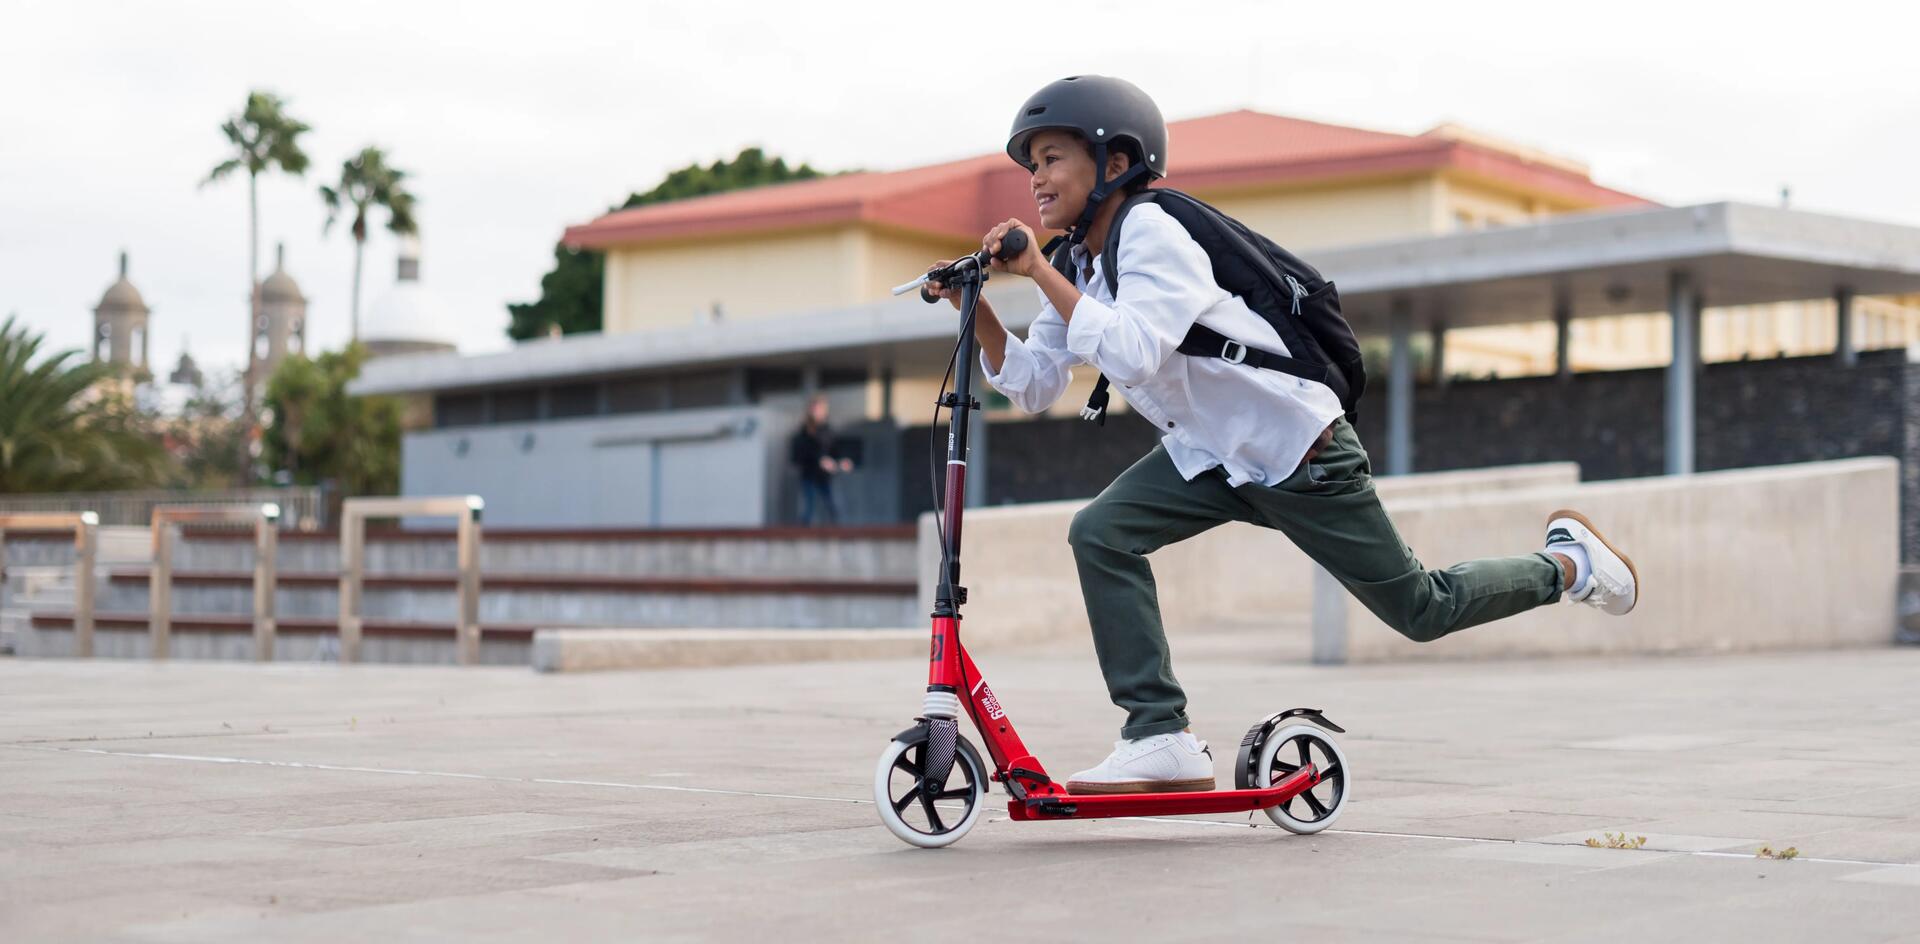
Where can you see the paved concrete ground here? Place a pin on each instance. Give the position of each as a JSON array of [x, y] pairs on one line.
[[223, 802]]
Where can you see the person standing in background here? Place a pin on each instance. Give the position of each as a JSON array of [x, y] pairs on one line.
[[812, 451]]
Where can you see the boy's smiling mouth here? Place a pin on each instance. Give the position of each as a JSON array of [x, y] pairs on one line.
[[1044, 200]]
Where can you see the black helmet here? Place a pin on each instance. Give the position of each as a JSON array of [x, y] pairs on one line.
[[1107, 112]]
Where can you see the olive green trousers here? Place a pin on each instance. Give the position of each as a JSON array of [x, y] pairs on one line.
[[1327, 507]]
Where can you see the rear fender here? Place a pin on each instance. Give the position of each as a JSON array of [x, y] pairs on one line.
[[1256, 738]]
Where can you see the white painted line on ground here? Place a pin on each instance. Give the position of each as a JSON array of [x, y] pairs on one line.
[[1161, 821]]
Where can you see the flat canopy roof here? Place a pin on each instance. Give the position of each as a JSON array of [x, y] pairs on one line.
[[1595, 264], [1622, 262]]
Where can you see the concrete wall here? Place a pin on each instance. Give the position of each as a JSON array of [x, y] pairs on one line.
[[688, 468], [1787, 557], [1022, 585], [1791, 556]]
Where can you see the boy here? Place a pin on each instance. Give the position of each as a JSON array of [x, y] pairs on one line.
[[1239, 443]]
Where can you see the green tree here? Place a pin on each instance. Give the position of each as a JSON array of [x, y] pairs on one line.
[[570, 294], [366, 181], [204, 436], [263, 137], [62, 427], [319, 433]]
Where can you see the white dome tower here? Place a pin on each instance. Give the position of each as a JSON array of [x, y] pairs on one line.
[[283, 317], [409, 318]]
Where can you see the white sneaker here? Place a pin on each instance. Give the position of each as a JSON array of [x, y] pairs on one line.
[[1611, 583], [1164, 763]]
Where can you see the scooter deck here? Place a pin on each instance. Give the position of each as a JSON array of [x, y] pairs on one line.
[[1100, 805]]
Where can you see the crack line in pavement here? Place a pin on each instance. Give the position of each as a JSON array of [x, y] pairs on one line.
[[1525, 842], [302, 765], [1157, 820]]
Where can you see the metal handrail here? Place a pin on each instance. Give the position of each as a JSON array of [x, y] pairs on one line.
[[85, 526], [166, 523], [465, 510]]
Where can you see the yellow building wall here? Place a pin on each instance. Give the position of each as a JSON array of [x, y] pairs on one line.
[[1467, 204], [1334, 215], [765, 275], [756, 276], [888, 258]]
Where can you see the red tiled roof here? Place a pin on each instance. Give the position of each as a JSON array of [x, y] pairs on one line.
[[962, 199]]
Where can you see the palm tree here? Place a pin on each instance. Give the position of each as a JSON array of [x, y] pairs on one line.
[[264, 137], [366, 180], [61, 429]]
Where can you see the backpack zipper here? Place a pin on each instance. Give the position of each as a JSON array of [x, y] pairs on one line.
[[1299, 292]]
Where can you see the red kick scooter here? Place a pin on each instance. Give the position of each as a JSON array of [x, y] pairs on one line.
[[931, 785]]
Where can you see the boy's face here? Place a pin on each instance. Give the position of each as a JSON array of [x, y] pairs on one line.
[[1062, 176]]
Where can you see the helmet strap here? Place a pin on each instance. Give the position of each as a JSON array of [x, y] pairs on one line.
[[1103, 189]]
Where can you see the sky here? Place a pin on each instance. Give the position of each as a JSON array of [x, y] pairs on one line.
[[518, 119]]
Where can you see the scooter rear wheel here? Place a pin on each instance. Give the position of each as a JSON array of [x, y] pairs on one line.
[[928, 818], [1286, 751]]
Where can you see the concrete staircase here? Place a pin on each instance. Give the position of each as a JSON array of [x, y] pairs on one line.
[[847, 578], [38, 568]]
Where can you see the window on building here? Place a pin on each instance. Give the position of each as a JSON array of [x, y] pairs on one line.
[[843, 377], [708, 388], [459, 409], [636, 396], [573, 400], [516, 406], [763, 382]]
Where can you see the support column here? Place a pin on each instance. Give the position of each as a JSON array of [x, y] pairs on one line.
[[1844, 352], [1682, 307], [1563, 339], [1699, 327], [1437, 340], [1400, 389], [886, 392]]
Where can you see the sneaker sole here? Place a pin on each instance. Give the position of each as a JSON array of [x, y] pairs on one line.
[[1624, 559], [1141, 786]]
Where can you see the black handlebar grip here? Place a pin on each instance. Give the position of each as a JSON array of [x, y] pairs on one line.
[[928, 297], [1012, 244]]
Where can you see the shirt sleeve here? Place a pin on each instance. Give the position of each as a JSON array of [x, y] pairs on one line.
[[1035, 372], [1166, 282]]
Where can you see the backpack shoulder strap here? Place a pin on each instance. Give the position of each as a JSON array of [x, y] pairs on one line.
[[1111, 251], [1059, 255]]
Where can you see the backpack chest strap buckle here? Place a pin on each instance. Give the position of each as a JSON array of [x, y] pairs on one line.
[[1233, 352]]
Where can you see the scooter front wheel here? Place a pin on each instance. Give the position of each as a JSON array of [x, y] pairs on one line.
[[1286, 751], [928, 815]]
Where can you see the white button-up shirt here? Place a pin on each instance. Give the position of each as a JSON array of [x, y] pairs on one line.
[[1256, 424]]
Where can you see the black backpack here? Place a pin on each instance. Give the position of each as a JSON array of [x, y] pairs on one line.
[[1302, 307]]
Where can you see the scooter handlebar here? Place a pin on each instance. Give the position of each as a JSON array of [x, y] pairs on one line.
[[1012, 244]]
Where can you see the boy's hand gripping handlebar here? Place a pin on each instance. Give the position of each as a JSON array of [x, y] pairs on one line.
[[1011, 245]]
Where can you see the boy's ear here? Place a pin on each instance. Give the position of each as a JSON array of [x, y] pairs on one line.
[[1118, 162]]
